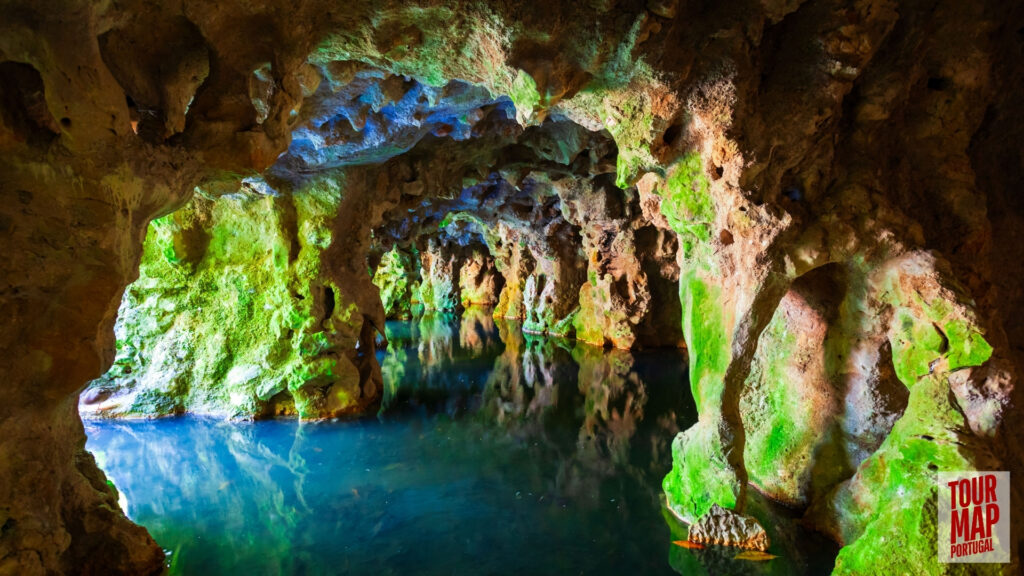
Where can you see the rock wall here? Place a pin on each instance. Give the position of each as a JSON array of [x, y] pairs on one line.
[[440, 266], [457, 276], [836, 178], [855, 205], [235, 314], [397, 276]]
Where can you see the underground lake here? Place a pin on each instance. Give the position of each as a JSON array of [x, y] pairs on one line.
[[494, 452]]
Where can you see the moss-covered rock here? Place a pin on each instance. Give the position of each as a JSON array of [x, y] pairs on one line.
[[396, 277], [701, 473], [887, 512], [233, 313]]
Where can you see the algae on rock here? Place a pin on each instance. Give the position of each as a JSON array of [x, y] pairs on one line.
[[233, 311]]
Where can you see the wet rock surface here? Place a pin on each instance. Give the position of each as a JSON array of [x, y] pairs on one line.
[[723, 527]]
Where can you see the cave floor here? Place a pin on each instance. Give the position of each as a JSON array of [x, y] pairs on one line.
[[494, 453]]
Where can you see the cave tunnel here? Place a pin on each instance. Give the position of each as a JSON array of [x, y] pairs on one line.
[[497, 288]]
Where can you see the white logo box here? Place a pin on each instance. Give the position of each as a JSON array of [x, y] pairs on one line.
[[974, 517]]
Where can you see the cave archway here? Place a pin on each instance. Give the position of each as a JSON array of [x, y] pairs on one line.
[[258, 302], [276, 294]]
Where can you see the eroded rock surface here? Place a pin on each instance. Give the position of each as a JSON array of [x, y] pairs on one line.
[[727, 528]]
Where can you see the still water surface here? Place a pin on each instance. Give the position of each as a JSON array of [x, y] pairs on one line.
[[494, 453]]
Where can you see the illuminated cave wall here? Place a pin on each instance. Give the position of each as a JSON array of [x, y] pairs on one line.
[[822, 193]]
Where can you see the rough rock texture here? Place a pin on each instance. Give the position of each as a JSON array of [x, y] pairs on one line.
[[727, 528], [479, 280], [456, 276], [821, 396], [439, 268], [233, 312], [870, 147], [397, 277]]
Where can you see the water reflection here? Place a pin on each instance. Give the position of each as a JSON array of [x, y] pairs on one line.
[[495, 453], [438, 362]]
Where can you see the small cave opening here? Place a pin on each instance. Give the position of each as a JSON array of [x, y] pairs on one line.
[[23, 106], [328, 303], [280, 405]]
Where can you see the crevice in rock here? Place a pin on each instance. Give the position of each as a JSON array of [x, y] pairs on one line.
[[23, 106], [329, 303], [161, 66]]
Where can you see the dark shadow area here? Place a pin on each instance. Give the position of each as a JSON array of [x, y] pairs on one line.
[[23, 104]]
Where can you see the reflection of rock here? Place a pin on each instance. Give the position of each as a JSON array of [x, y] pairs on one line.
[[527, 376], [614, 398], [477, 331], [727, 528], [436, 335], [617, 430], [231, 455], [439, 360]]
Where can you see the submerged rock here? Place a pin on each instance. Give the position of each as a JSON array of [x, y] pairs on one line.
[[727, 528]]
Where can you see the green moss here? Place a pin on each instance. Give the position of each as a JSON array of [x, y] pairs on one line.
[[597, 321], [782, 436], [394, 278], [432, 44], [524, 95], [707, 337], [686, 202], [933, 435], [618, 96], [888, 511], [701, 473], [926, 331], [916, 344], [631, 124], [623, 68], [967, 347], [564, 327], [439, 290], [790, 451], [244, 319], [625, 112]]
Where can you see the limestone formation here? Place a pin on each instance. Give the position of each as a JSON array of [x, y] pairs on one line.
[[727, 528], [397, 277]]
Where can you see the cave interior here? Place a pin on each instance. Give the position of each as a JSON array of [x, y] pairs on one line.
[[764, 257]]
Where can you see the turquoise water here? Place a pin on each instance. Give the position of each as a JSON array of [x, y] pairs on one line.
[[494, 453]]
